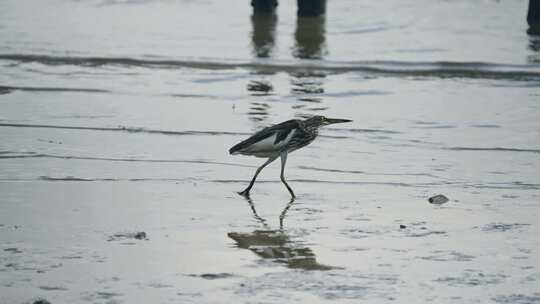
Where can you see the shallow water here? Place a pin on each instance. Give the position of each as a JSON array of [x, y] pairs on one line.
[[116, 118]]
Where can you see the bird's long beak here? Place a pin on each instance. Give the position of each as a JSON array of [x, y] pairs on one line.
[[330, 121]]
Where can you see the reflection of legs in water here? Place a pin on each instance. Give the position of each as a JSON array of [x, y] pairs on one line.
[[310, 38], [255, 214], [263, 34], [276, 245], [284, 213]]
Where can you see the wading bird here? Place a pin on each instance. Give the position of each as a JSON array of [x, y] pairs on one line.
[[280, 140]]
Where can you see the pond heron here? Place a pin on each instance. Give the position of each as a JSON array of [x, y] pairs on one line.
[[280, 140]]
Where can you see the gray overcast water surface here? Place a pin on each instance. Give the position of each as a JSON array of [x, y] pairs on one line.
[[116, 118]]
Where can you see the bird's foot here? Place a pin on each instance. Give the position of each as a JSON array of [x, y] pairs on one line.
[[244, 193]]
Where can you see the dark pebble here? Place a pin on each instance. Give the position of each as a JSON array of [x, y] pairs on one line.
[[140, 235], [13, 250], [402, 226], [438, 199], [214, 276]]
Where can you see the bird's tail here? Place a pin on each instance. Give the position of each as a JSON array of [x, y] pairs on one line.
[[234, 149]]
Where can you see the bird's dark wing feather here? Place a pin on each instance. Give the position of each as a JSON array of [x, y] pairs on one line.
[[286, 128], [282, 130]]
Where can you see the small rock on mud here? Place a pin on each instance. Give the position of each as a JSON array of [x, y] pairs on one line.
[[438, 199], [212, 276], [141, 235], [13, 250]]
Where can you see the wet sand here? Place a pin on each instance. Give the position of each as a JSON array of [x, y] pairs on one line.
[[76, 190]]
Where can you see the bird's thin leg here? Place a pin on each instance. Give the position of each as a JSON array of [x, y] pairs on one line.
[[245, 192], [283, 162]]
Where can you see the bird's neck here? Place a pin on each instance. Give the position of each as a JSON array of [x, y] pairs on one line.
[[308, 128]]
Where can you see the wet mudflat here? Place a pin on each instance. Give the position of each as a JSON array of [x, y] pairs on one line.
[[116, 185]]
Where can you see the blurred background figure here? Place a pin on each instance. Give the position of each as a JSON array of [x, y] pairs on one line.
[[533, 17], [311, 8], [264, 6]]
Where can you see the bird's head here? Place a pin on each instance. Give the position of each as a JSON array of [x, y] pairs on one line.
[[320, 121]]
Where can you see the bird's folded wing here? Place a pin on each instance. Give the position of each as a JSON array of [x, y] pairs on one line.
[[270, 138]]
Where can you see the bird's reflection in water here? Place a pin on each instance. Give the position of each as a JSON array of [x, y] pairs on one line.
[[276, 245], [263, 34], [310, 40]]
